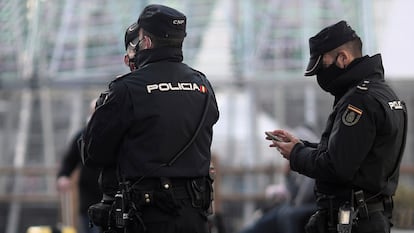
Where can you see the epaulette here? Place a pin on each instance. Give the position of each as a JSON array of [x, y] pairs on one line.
[[121, 76], [363, 86]]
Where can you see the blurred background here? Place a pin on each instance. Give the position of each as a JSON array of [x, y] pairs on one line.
[[57, 55]]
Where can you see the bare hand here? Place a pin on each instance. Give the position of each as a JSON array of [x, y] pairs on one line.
[[63, 184], [285, 147]]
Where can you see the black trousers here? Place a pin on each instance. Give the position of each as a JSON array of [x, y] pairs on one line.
[[188, 220]]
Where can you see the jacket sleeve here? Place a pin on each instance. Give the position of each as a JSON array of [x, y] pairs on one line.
[[310, 144], [350, 140], [107, 127], [71, 158]]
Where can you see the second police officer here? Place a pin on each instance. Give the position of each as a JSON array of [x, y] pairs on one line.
[[356, 163]]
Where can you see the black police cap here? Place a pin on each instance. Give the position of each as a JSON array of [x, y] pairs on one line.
[[163, 21], [326, 40], [130, 35]]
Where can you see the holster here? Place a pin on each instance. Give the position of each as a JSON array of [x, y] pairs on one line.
[[388, 206], [379, 204], [100, 213], [201, 193], [361, 204], [164, 193], [158, 193]]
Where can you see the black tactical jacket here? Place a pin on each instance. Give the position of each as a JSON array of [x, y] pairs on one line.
[[364, 134], [148, 115]]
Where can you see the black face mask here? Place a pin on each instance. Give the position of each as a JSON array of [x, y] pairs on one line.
[[139, 54], [326, 76]]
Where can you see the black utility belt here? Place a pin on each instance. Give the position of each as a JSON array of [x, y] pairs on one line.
[[372, 206], [148, 191], [338, 215], [159, 182], [148, 197], [362, 206]]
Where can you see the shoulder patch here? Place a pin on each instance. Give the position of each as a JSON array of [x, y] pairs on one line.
[[396, 105], [102, 99], [351, 115]]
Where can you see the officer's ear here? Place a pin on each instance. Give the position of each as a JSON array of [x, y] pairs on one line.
[[150, 44], [146, 42], [344, 58]]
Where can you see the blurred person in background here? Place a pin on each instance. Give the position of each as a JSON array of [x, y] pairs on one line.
[[151, 135], [88, 188], [292, 203], [356, 163]]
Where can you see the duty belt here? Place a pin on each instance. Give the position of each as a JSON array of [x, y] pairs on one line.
[[365, 211], [146, 187], [166, 191], [382, 203]]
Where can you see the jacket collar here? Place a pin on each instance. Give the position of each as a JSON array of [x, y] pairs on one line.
[[147, 56], [364, 68]]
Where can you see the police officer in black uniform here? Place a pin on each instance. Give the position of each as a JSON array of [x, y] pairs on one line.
[[131, 34], [151, 134], [356, 162]]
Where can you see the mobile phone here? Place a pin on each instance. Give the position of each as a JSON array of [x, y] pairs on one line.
[[273, 137]]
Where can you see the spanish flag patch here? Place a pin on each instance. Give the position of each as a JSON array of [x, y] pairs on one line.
[[351, 115]]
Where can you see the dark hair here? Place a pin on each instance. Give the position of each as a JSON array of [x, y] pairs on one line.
[[163, 42], [355, 47]]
